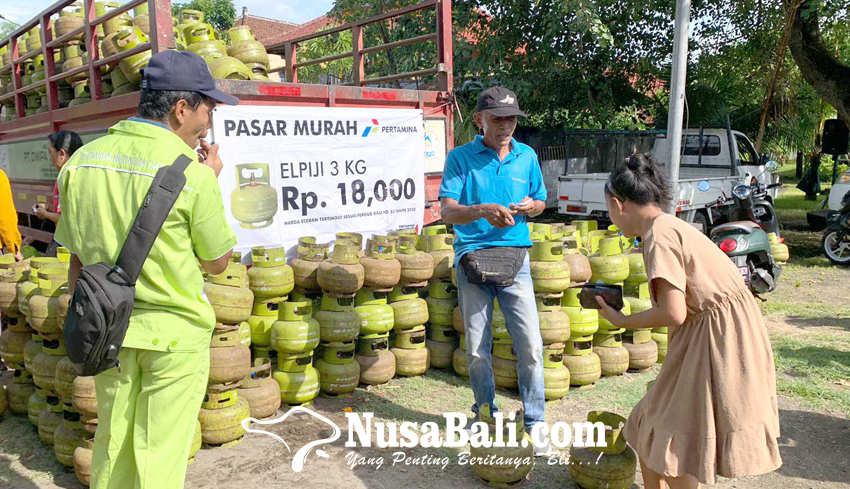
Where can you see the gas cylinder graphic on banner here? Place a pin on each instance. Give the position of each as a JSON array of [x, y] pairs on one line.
[[254, 202]]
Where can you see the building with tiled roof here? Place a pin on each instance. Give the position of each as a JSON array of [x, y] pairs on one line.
[[264, 28], [311, 27]]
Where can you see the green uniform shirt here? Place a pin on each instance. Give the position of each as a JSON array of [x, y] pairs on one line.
[[102, 188]]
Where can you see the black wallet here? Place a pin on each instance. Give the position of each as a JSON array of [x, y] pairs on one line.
[[493, 266]]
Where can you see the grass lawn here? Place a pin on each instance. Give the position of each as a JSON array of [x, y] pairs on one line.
[[809, 313]]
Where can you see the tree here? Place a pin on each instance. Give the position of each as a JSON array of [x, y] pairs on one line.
[[221, 14], [399, 60], [7, 28], [819, 64], [605, 64], [332, 72]]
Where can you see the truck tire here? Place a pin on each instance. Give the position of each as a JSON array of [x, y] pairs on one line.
[[701, 220]]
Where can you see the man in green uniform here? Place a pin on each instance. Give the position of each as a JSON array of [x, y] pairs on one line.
[[148, 406]]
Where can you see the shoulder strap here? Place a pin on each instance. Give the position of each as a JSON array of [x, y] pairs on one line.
[[165, 189]]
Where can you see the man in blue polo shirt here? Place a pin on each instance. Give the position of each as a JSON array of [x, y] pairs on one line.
[[489, 187]]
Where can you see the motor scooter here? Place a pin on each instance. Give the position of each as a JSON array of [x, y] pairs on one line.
[[836, 238], [744, 238]]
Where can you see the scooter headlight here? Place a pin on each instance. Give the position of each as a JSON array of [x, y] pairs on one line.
[[741, 191]]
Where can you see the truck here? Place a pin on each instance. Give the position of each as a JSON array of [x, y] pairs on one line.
[[721, 156], [23, 149]]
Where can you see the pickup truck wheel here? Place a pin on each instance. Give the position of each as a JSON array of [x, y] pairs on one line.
[[701, 220]]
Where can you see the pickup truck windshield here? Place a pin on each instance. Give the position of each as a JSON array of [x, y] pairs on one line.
[[746, 152], [710, 145]]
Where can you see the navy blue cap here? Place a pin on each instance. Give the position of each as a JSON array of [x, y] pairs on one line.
[[500, 102], [184, 71]]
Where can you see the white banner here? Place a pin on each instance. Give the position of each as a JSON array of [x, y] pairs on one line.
[[306, 171]]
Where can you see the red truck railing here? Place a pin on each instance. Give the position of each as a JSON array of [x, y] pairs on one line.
[[161, 33], [101, 113]]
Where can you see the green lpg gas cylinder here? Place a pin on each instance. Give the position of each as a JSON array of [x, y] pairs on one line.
[[295, 331], [549, 272], [409, 310], [270, 276], [583, 322], [376, 316], [263, 315], [338, 321]]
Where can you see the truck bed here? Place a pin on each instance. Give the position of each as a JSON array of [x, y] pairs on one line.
[[102, 111], [584, 194]]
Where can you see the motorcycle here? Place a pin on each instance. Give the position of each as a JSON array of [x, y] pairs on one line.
[[836, 238], [744, 238]]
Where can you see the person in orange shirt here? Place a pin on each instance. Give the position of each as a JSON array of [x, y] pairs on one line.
[[10, 237]]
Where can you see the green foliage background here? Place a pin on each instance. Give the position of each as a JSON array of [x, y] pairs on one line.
[[605, 64], [221, 14]]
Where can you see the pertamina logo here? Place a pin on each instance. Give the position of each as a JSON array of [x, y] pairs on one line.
[[376, 127], [368, 129]]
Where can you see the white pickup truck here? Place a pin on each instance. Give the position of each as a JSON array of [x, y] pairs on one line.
[[707, 155]]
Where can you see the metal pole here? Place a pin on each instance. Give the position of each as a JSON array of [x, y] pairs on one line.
[[677, 94], [834, 169]]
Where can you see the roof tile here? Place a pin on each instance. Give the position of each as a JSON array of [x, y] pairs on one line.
[[265, 29]]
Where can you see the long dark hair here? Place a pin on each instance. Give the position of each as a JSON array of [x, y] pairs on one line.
[[66, 140], [639, 181]]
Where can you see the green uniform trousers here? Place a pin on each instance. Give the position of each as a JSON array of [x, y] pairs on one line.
[[146, 418]]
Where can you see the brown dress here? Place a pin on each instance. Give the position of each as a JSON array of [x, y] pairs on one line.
[[712, 410]]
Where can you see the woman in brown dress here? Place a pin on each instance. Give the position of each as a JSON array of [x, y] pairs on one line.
[[712, 410]]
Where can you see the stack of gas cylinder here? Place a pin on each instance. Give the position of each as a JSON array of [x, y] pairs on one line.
[[295, 336], [377, 361], [441, 296], [442, 340], [460, 363], [7, 107], [373, 322], [354, 328], [287, 335], [339, 323], [118, 34], [392, 310], [222, 409], [244, 58], [643, 351], [407, 338], [613, 466], [778, 248], [246, 49], [45, 387], [609, 266], [579, 358], [551, 277]]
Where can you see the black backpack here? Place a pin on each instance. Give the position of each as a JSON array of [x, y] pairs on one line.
[[100, 309]]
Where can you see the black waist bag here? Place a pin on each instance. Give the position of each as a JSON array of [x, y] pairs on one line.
[[493, 266], [100, 309]]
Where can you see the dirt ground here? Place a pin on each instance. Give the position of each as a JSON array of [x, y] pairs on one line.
[[814, 444], [808, 318]]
